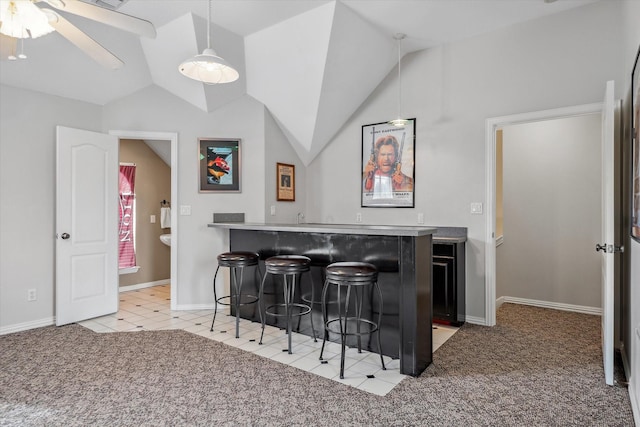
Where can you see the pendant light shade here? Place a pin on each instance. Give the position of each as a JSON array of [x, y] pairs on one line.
[[208, 67], [399, 122]]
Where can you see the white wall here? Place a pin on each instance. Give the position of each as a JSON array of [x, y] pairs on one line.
[[553, 62], [552, 212], [27, 186]]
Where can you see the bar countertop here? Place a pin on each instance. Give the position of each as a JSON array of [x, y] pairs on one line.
[[372, 230]]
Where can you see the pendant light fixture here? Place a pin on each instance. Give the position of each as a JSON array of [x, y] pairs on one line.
[[399, 122], [208, 67]]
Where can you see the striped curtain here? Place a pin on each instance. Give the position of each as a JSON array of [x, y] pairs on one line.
[[126, 249]]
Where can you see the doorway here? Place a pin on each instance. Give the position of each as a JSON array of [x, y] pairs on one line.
[[172, 139], [552, 209], [492, 126]]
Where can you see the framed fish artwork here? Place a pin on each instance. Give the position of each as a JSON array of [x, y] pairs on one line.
[[219, 165]]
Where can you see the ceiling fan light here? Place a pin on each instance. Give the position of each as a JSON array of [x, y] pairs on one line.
[[209, 68], [23, 19]]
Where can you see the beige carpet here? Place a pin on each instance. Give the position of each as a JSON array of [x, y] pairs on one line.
[[537, 367]]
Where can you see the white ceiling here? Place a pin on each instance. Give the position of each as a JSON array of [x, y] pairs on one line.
[[304, 46]]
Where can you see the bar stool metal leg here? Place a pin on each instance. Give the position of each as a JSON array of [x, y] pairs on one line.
[[237, 288], [215, 299], [263, 309]]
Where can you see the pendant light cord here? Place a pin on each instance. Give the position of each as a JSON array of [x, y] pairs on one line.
[[400, 37], [209, 27]]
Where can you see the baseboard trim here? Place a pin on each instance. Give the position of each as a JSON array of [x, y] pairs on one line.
[[19, 327], [554, 305], [475, 320], [625, 362], [635, 401], [144, 285]]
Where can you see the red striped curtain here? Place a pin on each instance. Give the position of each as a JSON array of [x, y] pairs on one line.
[[126, 249]]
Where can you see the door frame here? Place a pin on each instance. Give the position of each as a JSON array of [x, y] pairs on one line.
[[492, 125], [172, 137]]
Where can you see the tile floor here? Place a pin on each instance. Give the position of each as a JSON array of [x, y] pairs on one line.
[[148, 309]]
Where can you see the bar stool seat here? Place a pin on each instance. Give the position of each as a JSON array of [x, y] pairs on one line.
[[290, 267], [236, 261], [353, 276]]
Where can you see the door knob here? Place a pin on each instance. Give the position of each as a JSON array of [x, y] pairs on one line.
[[65, 236], [609, 248]]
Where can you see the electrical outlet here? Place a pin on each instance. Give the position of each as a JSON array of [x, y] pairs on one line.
[[273, 210], [358, 217], [32, 295], [420, 218]]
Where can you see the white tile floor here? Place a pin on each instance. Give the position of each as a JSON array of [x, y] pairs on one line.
[[148, 309]]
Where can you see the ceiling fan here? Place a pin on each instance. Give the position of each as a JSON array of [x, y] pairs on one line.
[[20, 19]]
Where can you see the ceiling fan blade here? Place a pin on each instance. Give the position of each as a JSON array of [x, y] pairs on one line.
[[8, 46], [106, 16], [88, 45]]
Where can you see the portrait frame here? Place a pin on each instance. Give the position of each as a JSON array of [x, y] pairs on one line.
[[285, 182], [219, 160], [635, 149], [380, 186]]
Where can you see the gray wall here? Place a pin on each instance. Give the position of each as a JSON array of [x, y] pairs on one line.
[[27, 190], [552, 212]]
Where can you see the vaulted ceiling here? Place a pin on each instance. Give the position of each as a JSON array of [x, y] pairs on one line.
[[312, 63]]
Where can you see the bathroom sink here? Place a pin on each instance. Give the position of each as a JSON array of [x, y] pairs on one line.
[[166, 239]]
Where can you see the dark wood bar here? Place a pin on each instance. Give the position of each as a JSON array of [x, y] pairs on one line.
[[402, 256]]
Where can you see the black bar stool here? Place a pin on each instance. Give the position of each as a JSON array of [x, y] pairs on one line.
[[290, 267], [236, 261], [356, 275]]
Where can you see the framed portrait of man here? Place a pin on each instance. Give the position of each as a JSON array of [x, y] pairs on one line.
[[388, 172], [286, 185]]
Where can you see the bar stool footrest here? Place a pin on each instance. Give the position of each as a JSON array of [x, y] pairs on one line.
[[352, 326], [303, 309], [244, 300]]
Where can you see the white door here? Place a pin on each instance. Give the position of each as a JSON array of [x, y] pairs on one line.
[[86, 225], [608, 244]]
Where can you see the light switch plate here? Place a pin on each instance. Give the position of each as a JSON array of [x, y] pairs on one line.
[[185, 210], [476, 208], [420, 218], [152, 219]]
